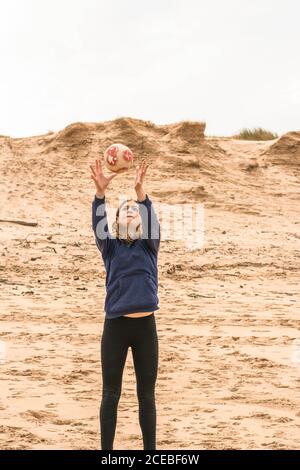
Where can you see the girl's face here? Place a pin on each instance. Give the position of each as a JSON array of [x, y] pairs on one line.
[[129, 213]]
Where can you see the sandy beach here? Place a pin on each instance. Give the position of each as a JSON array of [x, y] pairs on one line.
[[228, 322]]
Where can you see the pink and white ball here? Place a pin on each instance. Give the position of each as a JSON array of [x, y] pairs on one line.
[[117, 157]]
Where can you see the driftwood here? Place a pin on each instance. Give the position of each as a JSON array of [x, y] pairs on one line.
[[20, 222]]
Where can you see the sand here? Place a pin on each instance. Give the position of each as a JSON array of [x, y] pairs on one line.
[[228, 322]]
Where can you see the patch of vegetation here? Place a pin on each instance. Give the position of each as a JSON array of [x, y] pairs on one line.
[[257, 133]]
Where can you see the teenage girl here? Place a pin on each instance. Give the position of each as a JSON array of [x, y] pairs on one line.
[[130, 260]]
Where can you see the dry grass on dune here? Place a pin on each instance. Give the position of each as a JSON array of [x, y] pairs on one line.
[[257, 133]]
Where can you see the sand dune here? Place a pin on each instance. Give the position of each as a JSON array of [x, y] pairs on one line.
[[285, 151], [229, 311]]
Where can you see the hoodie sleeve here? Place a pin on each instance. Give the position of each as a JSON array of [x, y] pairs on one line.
[[150, 224], [103, 238]]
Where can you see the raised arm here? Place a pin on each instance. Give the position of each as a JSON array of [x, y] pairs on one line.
[[150, 222], [100, 225], [99, 216]]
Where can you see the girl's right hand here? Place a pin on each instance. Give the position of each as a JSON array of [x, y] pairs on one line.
[[101, 181]]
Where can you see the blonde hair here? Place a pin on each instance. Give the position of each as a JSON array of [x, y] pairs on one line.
[[116, 227]]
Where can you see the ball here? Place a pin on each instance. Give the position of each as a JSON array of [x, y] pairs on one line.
[[117, 157]]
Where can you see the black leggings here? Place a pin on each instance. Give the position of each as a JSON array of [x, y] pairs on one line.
[[140, 334]]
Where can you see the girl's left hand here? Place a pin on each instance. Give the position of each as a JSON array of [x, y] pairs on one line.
[[140, 175]]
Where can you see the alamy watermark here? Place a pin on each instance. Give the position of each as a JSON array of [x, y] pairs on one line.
[[175, 221], [2, 352], [295, 357]]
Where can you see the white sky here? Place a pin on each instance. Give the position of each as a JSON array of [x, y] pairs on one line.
[[232, 63]]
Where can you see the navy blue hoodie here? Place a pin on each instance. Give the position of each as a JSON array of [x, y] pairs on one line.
[[131, 269]]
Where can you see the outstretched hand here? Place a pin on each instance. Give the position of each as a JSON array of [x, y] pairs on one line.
[[140, 174], [141, 171], [101, 181]]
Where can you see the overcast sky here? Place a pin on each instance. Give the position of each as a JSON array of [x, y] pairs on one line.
[[232, 63]]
